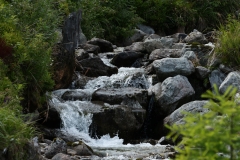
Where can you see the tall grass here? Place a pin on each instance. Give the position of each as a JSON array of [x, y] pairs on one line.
[[229, 43]]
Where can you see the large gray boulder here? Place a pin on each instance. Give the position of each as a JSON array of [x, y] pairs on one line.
[[177, 117], [232, 79], [152, 44], [165, 53], [216, 78], [175, 92], [136, 47], [168, 67], [196, 36], [132, 97]]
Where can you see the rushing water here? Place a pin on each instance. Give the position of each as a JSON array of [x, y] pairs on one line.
[[77, 115]]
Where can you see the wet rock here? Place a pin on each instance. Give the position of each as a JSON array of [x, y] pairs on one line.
[[136, 47], [61, 156], [202, 72], [80, 82], [216, 77], [195, 36], [82, 149], [175, 92], [177, 117], [77, 94], [132, 97], [105, 46], [232, 79], [156, 90], [57, 146], [119, 120], [168, 67], [50, 117], [165, 53], [126, 59], [90, 48], [94, 67]]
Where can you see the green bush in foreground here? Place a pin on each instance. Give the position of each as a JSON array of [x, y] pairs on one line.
[[214, 135], [229, 40]]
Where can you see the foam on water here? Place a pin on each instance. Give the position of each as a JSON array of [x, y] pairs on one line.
[[117, 80]]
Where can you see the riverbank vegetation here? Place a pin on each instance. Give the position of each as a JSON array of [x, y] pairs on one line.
[[28, 32]]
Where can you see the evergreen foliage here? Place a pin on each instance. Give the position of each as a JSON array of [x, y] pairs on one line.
[[213, 135]]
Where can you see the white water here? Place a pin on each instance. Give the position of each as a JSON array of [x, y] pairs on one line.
[[76, 118]]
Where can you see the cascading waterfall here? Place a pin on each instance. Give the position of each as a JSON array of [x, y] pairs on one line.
[[76, 116]]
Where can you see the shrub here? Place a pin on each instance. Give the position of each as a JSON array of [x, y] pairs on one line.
[[108, 19], [229, 40], [14, 134], [214, 135]]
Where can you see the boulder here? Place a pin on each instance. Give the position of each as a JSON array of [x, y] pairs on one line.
[[132, 97], [64, 56], [168, 67], [105, 46], [165, 53], [179, 46], [136, 47], [90, 48], [94, 67], [81, 54], [202, 72], [152, 44], [126, 59], [216, 77], [151, 36], [232, 79], [136, 37], [61, 156], [57, 146], [191, 56], [81, 149], [178, 37], [177, 117], [175, 92], [146, 29], [196, 36], [77, 94], [120, 120]]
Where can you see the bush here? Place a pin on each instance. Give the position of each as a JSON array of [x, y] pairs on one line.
[[229, 40], [213, 135], [14, 134], [167, 15], [29, 27], [108, 19]]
